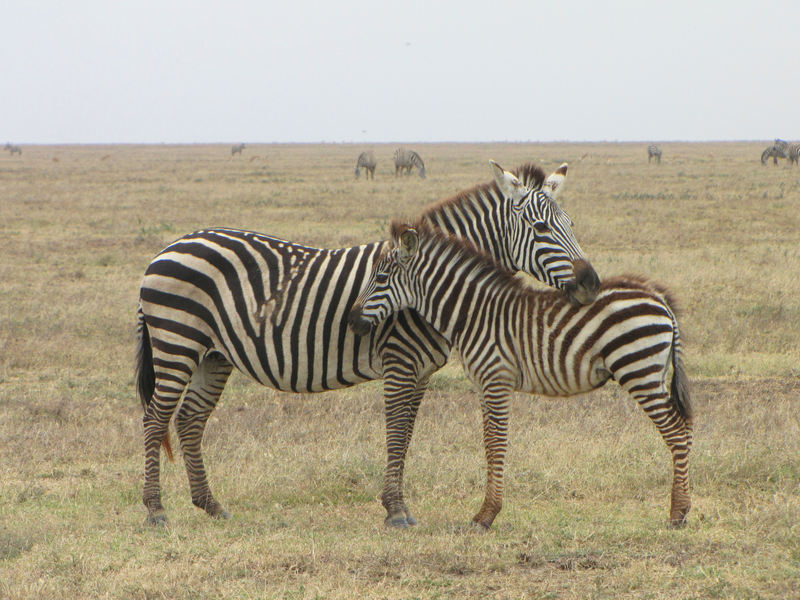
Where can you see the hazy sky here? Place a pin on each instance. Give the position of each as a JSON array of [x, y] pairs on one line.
[[371, 71]]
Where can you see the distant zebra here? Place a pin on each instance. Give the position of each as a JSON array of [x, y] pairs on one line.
[[368, 162], [774, 151], [653, 151], [513, 337], [237, 149], [793, 154], [277, 311], [405, 160], [13, 148]]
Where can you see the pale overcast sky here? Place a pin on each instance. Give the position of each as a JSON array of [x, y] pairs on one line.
[[370, 71]]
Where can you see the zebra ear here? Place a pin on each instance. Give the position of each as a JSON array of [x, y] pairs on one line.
[[555, 182], [409, 242], [510, 186]]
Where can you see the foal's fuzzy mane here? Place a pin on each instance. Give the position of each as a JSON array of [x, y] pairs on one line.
[[530, 174]]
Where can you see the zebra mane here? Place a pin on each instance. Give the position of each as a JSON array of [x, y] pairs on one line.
[[485, 266], [532, 176]]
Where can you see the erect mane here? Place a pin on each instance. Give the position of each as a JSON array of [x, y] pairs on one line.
[[484, 265], [530, 174]]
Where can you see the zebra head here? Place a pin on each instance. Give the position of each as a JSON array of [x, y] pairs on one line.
[[540, 239], [389, 289]]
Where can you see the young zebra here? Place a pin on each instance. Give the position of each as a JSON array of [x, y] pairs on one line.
[[13, 148], [237, 149], [653, 151], [277, 311], [512, 337], [366, 160], [405, 160]]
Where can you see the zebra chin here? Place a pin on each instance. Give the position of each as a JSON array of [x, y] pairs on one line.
[[584, 286], [358, 323]]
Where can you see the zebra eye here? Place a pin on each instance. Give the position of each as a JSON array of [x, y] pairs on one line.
[[541, 227], [381, 277]]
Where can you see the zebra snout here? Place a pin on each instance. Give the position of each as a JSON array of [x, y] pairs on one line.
[[358, 324], [586, 283]]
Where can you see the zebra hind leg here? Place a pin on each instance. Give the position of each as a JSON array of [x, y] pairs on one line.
[[676, 431], [199, 402]]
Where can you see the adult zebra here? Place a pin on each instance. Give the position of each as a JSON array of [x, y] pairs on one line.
[[511, 337], [237, 149], [653, 151], [277, 311], [366, 160], [13, 148], [405, 160], [774, 151]]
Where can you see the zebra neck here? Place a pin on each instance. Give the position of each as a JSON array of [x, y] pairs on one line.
[[476, 216]]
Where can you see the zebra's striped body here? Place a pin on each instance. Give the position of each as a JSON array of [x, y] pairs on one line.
[[775, 151], [793, 154], [237, 149], [13, 148], [277, 311], [366, 160], [653, 151], [405, 160], [514, 338]]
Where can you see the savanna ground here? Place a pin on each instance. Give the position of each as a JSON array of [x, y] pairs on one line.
[[587, 480]]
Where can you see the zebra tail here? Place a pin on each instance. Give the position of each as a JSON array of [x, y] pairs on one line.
[[679, 388], [145, 374]]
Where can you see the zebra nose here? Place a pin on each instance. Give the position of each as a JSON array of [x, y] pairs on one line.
[[583, 289], [358, 324]]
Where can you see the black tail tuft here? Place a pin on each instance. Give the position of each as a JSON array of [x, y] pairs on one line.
[[679, 389], [145, 374]]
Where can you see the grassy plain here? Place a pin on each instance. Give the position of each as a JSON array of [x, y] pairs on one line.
[[587, 478]]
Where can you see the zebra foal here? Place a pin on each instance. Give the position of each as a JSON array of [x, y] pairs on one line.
[[511, 337], [277, 311]]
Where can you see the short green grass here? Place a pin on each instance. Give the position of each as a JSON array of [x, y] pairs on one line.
[[587, 480]]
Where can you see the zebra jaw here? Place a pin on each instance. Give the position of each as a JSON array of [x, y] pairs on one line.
[[585, 285]]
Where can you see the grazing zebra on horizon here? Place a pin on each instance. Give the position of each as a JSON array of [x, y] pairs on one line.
[[13, 148], [405, 160], [654, 151], [793, 154], [512, 337], [237, 149], [277, 311], [775, 151], [368, 162]]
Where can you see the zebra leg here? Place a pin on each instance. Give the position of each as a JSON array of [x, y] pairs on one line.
[[494, 402], [403, 391], [198, 403], [156, 423], [677, 433]]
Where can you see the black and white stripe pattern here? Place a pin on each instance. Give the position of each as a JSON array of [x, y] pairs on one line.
[[653, 151], [277, 311], [405, 160], [514, 338], [237, 149], [778, 149], [366, 161]]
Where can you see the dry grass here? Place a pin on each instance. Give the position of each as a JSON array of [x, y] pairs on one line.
[[588, 477]]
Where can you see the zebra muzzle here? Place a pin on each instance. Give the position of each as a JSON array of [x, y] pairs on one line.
[[584, 287], [358, 323]]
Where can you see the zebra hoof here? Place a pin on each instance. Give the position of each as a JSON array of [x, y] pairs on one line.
[[224, 515], [157, 520], [397, 522], [410, 520]]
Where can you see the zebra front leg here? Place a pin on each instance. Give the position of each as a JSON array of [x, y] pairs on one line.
[[156, 423], [199, 402], [402, 396], [494, 403]]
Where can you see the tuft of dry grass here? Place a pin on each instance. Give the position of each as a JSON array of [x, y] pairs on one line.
[[587, 478]]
